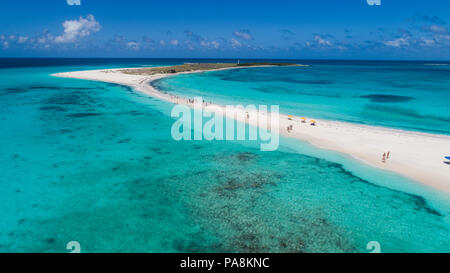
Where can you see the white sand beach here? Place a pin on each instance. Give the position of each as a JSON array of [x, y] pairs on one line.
[[418, 156]]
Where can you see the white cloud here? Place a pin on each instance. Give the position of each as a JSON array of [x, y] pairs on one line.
[[162, 42], [74, 29], [22, 39], [399, 42], [427, 42], [445, 37], [436, 29], [235, 43], [5, 45], [212, 44], [133, 45], [243, 34], [215, 44], [443, 40], [74, 2], [42, 40], [189, 44], [321, 41], [174, 42]]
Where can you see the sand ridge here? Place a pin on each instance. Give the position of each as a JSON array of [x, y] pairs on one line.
[[418, 156]]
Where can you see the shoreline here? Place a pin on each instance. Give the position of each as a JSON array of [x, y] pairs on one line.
[[415, 155]]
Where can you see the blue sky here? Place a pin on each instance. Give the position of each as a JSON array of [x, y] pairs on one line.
[[318, 29]]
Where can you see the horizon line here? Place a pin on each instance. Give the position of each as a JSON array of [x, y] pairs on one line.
[[237, 58]]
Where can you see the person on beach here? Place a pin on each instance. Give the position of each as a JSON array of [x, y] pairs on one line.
[[383, 159], [388, 154]]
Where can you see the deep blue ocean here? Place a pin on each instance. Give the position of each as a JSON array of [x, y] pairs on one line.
[[95, 163]]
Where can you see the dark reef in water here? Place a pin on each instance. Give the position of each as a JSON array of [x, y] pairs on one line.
[[238, 202], [82, 115], [55, 87], [386, 98], [254, 181], [372, 110], [245, 156], [406, 112], [125, 140], [322, 82], [9, 91], [52, 108], [419, 202]]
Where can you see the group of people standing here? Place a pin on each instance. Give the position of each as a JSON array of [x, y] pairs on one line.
[[290, 128], [188, 101], [385, 157]]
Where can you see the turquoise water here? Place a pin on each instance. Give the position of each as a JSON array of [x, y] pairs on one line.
[[95, 163], [412, 96]]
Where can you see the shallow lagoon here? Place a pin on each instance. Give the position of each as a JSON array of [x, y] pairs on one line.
[[405, 95]]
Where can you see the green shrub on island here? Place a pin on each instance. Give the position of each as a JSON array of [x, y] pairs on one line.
[[192, 67]]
